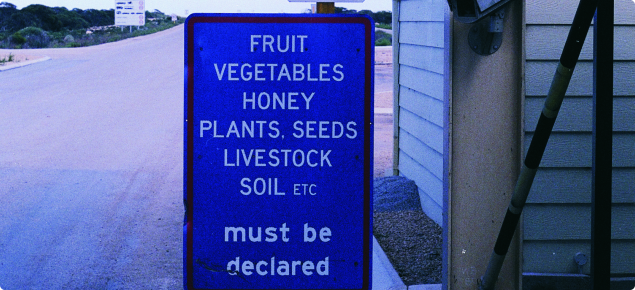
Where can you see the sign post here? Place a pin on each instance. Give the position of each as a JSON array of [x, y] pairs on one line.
[[327, 6], [278, 151]]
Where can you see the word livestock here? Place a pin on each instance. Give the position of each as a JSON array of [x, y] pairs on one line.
[[277, 157]]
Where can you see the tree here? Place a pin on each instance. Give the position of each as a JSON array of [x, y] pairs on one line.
[[6, 11], [22, 19], [7, 5], [367, 12], [342, 10], [157, 14], [46, 15], [71, 20], [99, 17], [52, 19], [384, 17], [379, 17]]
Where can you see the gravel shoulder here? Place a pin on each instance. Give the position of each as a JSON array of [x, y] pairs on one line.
[[411, 240]]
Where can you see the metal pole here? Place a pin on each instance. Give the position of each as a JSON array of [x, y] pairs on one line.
[[325, 7], [559, 85], [602, 146]]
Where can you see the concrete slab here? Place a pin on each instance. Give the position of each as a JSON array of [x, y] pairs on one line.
[[384, 275], [425, 287], [384, 111]]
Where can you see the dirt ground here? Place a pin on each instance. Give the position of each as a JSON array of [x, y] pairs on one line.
[[412, 242], [407, 237], [16, 58], [91, 174]]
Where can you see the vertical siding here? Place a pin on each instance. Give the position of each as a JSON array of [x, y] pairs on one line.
[[557, 221], [421, 80]]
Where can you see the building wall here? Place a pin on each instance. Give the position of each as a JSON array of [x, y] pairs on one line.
[[558, 214], [421, 94], [486, 148]]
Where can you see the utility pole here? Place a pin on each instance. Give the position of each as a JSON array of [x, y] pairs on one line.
[[325, 7], [602, 135]]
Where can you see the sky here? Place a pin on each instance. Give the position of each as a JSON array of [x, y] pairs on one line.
[[209, 6]]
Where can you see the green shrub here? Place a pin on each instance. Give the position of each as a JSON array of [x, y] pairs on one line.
[[382, 38], [69, 38], [27, 31], [17, 38], [6, 59], [35, 37], [383, 42]]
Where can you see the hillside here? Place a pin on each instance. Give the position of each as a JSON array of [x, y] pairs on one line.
[[40, 26]]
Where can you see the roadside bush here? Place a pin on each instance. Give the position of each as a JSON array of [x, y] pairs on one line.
[[383, 42], [382, 38], [6, 59], [35, 37], [29, 32], [17, 39]]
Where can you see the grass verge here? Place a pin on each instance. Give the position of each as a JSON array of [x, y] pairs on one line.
[[382, 38], [85, 37], [6, 59]]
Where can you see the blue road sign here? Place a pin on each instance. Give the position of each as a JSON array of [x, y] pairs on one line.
[[278, 151]]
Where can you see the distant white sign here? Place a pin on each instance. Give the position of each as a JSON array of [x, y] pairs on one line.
[[130, 12]]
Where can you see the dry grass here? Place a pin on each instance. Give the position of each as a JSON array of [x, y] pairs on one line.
[[16, 58]]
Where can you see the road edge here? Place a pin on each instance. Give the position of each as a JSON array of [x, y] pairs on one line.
[[23, 63], [384, 276]]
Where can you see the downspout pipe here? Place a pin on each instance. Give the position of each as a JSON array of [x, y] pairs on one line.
[[396, 85], [568, 59]]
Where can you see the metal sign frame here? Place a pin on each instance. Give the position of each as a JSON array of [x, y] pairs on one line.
[[130, 13], [469, 11], [358, 273]]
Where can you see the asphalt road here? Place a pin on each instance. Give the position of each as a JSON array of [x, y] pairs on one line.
[[383, 143], [91, 166]]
